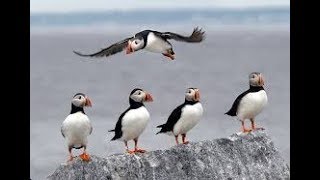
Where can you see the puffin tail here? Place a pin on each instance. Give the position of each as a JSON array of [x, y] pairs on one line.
[[160, 126], [111, 130], [231, 113]]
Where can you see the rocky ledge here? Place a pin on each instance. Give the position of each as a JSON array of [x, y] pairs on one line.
[[241, 156]]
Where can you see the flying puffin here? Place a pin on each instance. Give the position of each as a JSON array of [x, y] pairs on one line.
[[149, 40], [184, 117], [251, 102], [134, 120], [77, 127]]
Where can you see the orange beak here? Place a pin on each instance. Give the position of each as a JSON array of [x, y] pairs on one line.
[[129, 49], [261, 80], [88, 102], [148, 97], [197, 95]]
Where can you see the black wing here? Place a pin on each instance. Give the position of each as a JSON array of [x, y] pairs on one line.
[[117, 130], [196, 36], [172, 120], [62, 131], [113, 49], [91, 128], [234, 108]]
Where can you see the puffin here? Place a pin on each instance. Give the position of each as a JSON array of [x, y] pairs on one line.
[[77, 126], [184, 117], [251, 102], [150, 40], [133, 120]]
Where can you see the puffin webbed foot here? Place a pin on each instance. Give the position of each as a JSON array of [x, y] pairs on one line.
[[259, 128], [130, 152], [186, 142], [137, 150], [169, 55], [70, 159], [246, 130], [85, 157]]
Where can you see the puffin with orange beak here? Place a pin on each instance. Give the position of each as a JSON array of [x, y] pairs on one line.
[[184, 117], [251, 102], [77, 126], [134, 120], [149, 40]]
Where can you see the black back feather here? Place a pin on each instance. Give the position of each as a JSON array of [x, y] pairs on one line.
[[234, 108], [174, 117], [133, 105]]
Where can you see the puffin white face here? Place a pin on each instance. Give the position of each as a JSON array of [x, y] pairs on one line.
[[80, 100], [256, 79], [134, 45], [193, 94], [138, 95]]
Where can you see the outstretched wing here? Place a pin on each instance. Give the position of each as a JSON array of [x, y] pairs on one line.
[[111, 50], [196, 36]]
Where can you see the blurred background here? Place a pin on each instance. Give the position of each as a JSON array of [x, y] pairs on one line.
[[242, 36]]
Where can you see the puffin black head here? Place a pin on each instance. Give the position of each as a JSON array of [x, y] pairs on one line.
[[135, 44], [256, 79], [192, 95], [139, 96], [79, 101]]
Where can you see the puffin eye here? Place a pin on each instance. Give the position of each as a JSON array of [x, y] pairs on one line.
[[135, 42], [139, 93], [79, 97]]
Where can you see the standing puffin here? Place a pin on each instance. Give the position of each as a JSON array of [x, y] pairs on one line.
[[149, 40], [251, 102], [134, 120], [184, 117], [77, 127]]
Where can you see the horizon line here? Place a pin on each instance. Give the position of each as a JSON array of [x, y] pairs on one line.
[[99, 10]]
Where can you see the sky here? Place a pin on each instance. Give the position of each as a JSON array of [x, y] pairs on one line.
[[37, 6]]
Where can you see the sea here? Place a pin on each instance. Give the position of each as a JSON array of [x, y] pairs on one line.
[[238, 42]]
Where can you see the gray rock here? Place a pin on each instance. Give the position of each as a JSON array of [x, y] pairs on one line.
[[241, 156]]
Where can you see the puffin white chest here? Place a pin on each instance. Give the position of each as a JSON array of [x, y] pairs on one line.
[[134, 122], [156, 44], [190, 116], [252, 104], [76, 127]]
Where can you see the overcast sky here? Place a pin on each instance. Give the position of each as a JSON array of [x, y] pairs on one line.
[[78, 5]]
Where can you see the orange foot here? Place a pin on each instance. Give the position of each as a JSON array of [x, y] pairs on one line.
[[186, 142], [70, 159], [85, 157], [246, 130], [169, 56], [130, 152], [140, 150], [259, 128]]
